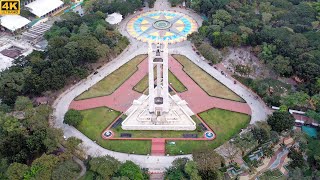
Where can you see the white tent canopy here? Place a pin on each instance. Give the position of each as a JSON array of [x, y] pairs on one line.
[[43, 7], [114, 18], [13, 22]]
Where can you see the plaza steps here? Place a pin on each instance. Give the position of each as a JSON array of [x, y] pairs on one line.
[[157, 176], [158, 147]]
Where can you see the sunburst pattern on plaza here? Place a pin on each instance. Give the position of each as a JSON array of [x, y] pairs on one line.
[[161, 25]]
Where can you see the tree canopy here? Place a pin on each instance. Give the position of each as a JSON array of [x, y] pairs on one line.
[[73, 117], [281, 121]]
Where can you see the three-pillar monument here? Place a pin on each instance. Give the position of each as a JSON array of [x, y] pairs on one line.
[[158, 110]]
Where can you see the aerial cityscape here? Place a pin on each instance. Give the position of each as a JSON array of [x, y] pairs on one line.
[[160, 89]]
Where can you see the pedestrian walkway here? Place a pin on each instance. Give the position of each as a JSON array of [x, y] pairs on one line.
[[197, 99], [121, 99], [156, 176], [158, 147]]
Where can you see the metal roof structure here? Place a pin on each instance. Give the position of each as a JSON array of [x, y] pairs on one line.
[[43, 7], [13, 22]]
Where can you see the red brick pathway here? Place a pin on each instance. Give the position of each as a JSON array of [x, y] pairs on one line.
[[158, 147], [199, 100], [121, 99]]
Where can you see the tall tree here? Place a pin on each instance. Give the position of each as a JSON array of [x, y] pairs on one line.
[[208, 162], [104, 167], [131, 170], [73, 117], [16, 171], [281, 121]]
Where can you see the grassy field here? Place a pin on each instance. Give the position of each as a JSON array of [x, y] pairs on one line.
[[209, 84], [224, 123], [114, 80], [175, 83], [96, 120], [159, 134], [274, 175]]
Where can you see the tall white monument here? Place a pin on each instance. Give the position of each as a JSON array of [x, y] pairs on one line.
[[159, 110], [159, 94]]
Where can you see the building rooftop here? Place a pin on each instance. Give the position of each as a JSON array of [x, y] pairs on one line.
[[14, 22], [43, 7]]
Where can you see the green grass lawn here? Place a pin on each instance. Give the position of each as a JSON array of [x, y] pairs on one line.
[[159, 134], [143, 84], [114, 80], [96, 120], [274, 175], [176, 83], [209, 84], [224, 123]]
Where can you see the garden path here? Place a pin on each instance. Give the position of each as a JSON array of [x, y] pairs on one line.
[[121, 99]]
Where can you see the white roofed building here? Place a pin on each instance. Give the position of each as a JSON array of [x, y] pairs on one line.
[[13, 22], [114, 18], [43, 8]]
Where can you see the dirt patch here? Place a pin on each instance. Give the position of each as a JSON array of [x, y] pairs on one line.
[[244, 57]]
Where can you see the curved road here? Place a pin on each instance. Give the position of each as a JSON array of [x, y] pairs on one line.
[[154, 163]]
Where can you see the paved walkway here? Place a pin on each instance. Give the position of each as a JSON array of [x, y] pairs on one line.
[[197, 99], [81, 164], [158, 147]]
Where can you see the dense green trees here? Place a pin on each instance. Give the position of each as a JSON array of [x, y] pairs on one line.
[[281, 121], [183, 168], [131, 170], [30, 149], [209, 53], [122, 7], [208, 162], [16, 171], [104, 167], [66, 170], [269, 89], [73, 117], [286, 33], [74, 43], [107, 167]]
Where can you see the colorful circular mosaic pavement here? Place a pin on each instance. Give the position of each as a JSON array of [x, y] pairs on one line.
[[161, 25]]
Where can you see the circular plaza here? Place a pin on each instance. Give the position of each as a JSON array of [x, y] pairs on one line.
[[168, 26]]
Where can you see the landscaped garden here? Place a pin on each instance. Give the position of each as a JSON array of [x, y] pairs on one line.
[[173, 80], [114, 80], [159, 134], [96, 120], [224, 123], [209, 84]]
